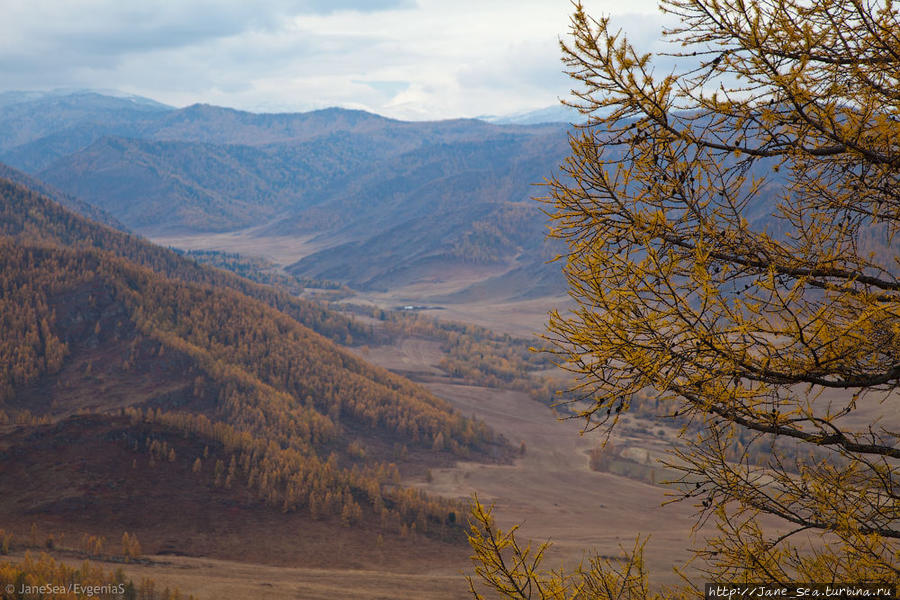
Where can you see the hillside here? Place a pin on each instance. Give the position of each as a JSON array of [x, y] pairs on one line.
[[203, 186], [210, 178], [460, 204], [30, 217], [175, 371], [74, 204]]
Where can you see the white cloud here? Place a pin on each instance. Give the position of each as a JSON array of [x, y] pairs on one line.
[[430, 59]]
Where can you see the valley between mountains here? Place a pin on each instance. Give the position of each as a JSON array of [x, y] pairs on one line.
[[277, 355]]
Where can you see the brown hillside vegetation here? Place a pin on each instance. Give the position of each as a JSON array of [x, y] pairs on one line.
[[204, 378], [28, 216], [179, 496], [44, 577]]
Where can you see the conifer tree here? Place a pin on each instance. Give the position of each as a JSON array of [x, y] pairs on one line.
[[730, 224]]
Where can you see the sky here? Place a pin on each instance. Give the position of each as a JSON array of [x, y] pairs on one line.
[[407, 59]]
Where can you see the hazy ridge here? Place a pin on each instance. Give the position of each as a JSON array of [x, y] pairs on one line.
[[389, 201]]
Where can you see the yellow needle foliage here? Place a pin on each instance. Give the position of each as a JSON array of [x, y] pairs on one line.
[[730, 210], [36, 578]]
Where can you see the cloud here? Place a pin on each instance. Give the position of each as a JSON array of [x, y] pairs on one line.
[[388, 88], [364, 6], [116, 27], [424, 59]]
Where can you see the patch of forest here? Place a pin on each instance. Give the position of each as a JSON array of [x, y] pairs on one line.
[[30, 217], [42, 576], [303, 425]]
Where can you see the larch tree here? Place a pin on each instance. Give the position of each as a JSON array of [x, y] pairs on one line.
[[731, 230]]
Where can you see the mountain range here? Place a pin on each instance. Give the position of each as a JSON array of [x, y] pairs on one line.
[[386, 202]]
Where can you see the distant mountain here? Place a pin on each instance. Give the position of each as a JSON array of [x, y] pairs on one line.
[[19, 97], [34, 131], [557, 113], [430, 211], [177, 184], [390, 201], [218, 125], [137, 360]]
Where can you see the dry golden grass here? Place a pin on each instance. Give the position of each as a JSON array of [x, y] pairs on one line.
[[208, 579]]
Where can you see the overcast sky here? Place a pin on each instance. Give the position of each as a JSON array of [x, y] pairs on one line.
[[409, 59]]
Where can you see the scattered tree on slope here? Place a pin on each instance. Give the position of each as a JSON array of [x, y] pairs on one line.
[[273, 392]]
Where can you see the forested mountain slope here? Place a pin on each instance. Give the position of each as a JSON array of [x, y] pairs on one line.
[[29, 216], [71, 202], [158, 349]]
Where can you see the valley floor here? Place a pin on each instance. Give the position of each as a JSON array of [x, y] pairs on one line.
[[550, 492], [210, 579]]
